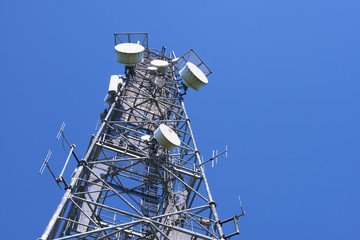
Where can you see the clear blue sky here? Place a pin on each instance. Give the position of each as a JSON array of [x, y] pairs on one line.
[[284, 96]]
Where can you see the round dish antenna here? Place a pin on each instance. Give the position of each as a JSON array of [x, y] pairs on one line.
[[161, 65], [193, 77], [152, 70], [129, 53], [166, 137]]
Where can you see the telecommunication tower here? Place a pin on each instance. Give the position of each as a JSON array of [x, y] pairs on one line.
[[142, 176]]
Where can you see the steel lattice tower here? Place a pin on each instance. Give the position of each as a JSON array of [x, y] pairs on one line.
[[128, 186]]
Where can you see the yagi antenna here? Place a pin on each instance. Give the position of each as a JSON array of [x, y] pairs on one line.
[[72, 152], [61, 133], [71, 146], [46, 164], [214, 157], [235, 220], [61, 130]]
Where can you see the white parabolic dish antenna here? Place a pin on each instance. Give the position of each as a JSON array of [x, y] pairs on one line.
[[161, 65], [152, 70], [166, 137], [129, 53], [193, 77]]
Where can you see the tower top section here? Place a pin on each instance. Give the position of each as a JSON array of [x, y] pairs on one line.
[[131, 47]]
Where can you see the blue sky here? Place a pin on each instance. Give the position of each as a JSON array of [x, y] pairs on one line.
[[284, 96]]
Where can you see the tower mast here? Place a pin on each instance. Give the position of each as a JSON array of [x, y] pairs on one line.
[[142, 176]]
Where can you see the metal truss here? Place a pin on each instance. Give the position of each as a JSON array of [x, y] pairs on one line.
[[129, 187]]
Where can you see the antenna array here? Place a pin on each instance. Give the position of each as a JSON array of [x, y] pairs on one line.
[[142, 176]]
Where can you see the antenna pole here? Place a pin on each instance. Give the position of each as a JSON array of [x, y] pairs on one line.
[[211, 202], [60, 178]]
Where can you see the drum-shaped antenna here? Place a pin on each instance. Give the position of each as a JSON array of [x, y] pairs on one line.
[[193, 77], [166, 137], [161, 65], [129, 53]]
